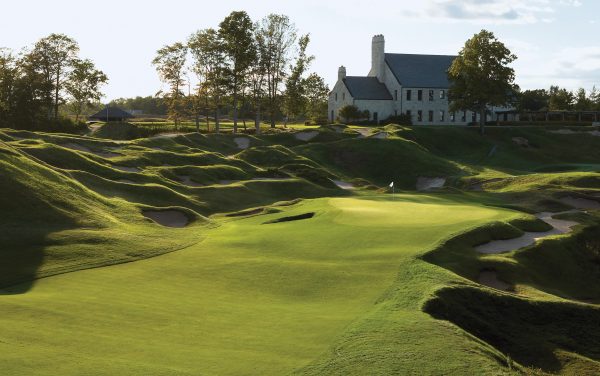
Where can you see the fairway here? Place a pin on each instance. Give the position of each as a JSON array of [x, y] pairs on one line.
[[256, 298]]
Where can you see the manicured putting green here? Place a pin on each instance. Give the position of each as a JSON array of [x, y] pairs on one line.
[[254, 298]]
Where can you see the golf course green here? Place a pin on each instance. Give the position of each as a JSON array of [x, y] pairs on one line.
[[193, 255]]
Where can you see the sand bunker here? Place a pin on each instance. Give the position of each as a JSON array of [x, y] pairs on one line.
[[342, 184], [126, 169], [425, 184], [563, 131], [242, 142], [521, 141], [291, 218], [559, 226], [490, 278], [363, 132], [85, 149], [381, 135], [187, 180], [580, 203], [168, 218], [166, 135], [306, 136]]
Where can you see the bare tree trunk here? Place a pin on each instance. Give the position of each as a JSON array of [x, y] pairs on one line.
[[197, 119], [482, 117], [235, 109], [217, 125], [56, 95], [257, 120]]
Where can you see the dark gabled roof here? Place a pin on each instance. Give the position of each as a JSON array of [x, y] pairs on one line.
[[111, 113], [427, 71], [366, 88]]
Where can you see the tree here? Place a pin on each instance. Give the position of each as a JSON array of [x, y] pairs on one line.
[[582, 102], [237, 41], [84, 85], [316, 93], [480, 76], [595, 98], [560, 99], [209, 64], [170, 65], [8, 79], [533, 100], [350, 112], [294, 96], [53, 57], [277, 36]]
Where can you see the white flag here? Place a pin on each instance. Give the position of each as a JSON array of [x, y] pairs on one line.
[[392, 185]]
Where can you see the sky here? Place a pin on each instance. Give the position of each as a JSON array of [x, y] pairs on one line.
[[556, 41]]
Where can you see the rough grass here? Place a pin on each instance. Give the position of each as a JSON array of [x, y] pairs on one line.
[[371, 284]]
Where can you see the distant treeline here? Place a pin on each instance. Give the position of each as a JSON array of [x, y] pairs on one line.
[[559, 99], [250, 69], [36, 82]]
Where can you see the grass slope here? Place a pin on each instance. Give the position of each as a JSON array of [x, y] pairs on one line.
[[261, 299]]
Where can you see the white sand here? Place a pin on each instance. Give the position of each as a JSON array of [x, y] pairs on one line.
[[126, 169], [168, 218], [425, 184], [560, 226], [580, 203], [242, 142], [306, 136], [364, 132], [342, 184], [381, 135]]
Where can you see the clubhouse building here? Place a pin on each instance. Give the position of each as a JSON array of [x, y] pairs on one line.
[[416, 85]]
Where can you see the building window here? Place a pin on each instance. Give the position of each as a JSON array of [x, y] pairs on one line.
[[409, 114], [474, 117], [395, 112], [452, 117], [430, 116], [431, 95], [375, 117], [463, 118], [420, 95], [419, 115], [442, 115], [332, 116], [408, 95], [343, 96], [395, 95], [442, 94]]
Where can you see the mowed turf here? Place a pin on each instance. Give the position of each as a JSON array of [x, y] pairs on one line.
[[340, 292]]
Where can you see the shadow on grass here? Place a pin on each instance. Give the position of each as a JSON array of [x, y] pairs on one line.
[[530, 332]]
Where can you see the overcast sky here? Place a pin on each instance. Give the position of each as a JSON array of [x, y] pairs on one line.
[[557, 41]]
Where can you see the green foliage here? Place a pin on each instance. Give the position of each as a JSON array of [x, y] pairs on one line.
[[170, 65], [481, 76]]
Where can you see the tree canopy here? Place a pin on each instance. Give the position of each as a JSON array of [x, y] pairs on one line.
[[481, 76]]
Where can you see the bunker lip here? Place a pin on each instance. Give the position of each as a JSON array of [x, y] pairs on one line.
[[580, 202], [343, 184], [559, 227], [489, 278], [126, 169], [167, 218], [244, 213]]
